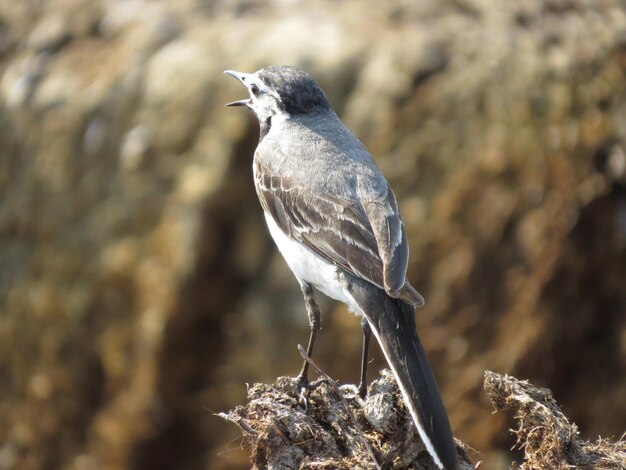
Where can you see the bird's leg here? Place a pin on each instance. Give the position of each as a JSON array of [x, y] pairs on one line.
[[315, 322], [367, 334]]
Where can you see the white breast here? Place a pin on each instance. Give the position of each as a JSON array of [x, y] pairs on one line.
[[309, 267]]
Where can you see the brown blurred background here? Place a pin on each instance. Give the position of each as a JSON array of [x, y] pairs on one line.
[[140, 292]]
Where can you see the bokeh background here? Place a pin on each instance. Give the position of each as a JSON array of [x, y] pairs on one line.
[[139, 289]]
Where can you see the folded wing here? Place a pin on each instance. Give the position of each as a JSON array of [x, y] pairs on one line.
[[364, 236]]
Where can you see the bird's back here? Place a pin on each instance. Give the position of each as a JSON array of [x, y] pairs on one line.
[[322, 154]]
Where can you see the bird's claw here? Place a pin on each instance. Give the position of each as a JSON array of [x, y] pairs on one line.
[[303, 391], [305, 388], [353, 391]]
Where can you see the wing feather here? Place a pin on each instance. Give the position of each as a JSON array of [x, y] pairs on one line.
[[387, 227]]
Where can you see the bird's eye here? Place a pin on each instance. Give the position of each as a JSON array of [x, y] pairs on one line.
[[254, 88]]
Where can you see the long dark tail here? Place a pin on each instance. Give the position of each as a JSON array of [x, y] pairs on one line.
[[393, 324]]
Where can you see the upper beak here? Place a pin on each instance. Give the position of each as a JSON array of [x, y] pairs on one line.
[[241, 76]]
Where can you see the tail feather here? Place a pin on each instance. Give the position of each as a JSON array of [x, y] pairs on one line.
[[393, 323]]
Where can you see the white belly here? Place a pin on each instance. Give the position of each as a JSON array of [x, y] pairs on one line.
[[309, 267]]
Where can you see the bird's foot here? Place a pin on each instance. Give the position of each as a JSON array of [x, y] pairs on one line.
[[353, 391], [305, 387], [303, 390], [362, 390]]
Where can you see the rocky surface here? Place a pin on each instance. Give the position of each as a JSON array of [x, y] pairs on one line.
[[139, 290]]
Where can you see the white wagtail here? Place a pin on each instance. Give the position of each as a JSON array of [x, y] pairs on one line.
[[336, 221]]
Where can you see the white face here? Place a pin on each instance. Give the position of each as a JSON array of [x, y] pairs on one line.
[[264, 101]]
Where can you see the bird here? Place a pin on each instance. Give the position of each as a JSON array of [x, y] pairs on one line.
[[336, 221]]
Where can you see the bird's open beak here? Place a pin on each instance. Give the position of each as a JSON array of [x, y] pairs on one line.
[[241, 76]]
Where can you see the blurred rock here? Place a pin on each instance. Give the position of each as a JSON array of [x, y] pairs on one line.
[[139, 291]]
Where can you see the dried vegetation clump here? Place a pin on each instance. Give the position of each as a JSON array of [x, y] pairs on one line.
[[333, 429], [546, 436]]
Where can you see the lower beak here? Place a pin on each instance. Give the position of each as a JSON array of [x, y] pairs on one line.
[[238, 103]]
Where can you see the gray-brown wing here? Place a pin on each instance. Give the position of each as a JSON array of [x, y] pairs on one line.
[[384, 217], [336, 229]]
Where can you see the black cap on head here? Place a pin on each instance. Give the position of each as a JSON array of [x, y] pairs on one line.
[[299, 93]]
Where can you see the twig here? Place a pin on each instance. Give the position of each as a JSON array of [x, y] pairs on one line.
[[239, 422]]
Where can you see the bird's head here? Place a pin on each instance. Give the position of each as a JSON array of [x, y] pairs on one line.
[[280, 91]]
